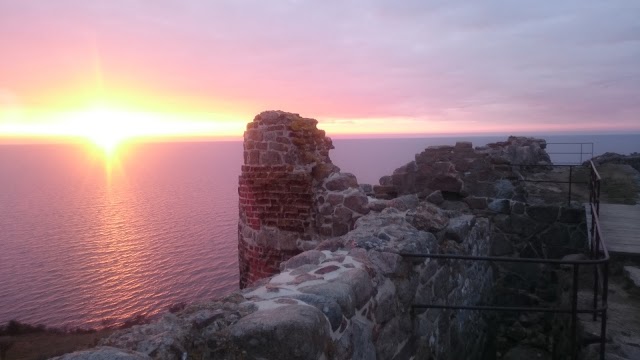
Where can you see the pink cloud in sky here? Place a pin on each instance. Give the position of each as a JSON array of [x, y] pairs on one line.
[[494, 63]]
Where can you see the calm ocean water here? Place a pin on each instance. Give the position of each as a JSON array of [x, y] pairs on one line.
[[79, 248]]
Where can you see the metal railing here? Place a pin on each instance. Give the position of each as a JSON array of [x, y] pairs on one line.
[[570, 181], [599, 259], [586, 149]]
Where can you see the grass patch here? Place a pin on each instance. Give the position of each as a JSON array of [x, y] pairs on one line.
[[37, 342], [618, 184]]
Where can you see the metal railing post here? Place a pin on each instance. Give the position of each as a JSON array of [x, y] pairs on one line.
[[603, 319], [574, 313], [570, 180], [594, 254]]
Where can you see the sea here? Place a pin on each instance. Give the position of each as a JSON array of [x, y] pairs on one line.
[[87, 242]]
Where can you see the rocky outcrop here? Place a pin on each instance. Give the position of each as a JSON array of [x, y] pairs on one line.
[[290, 193], [461, 170], [632, 159]]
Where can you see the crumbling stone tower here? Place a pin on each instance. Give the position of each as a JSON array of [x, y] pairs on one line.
[[291, 195]]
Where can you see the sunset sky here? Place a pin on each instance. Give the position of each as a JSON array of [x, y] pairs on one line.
[[205, 68]]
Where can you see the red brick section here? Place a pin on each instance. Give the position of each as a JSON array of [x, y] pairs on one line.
[[259, 262], [276, 190], [275, 196]]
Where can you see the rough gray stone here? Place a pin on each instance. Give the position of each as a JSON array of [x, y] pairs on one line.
[[328, 306], [404, 202], [341, 181], [572, 215], [378, 205], [459, 227], [389, 339], [357, 202], [367, 189], [522, 352], [556, 235], [165, 339], [341, 293], [342, 215], [313, 257], [387, 263], [543, 213], [428, 217], [503, 189], [387, 305], [335, 198], [103, 353], [501, 206], [435, 197], [360, 282], [476, 203], [632, 274], [286, 332], [500, 245], [447, 182], [363, 348], [517, 207]]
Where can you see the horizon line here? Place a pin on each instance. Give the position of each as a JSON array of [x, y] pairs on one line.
[[44, 140]]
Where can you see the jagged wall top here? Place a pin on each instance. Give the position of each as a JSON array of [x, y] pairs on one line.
[[282, 138]]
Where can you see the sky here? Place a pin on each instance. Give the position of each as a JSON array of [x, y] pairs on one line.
[[206, 67]]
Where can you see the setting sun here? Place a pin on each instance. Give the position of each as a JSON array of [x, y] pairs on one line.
[[106, 128]]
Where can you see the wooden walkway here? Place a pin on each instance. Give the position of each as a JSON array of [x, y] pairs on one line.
[[620, 226]]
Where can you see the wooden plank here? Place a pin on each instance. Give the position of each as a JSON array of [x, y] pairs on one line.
[[620, 226]]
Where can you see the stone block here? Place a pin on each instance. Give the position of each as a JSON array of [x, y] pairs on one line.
[[427, 217], [363, 347], [543, 213], [501, 206], [503, 189], [286, 332], [361, 284], [313, 257], [632, 274], [270, 158], [459, 227], [500, 245], [447, 182], [104, 353], [339, 292], [476, 203], [340, 182], [573, 215], [328, 306], [253, 135], [386, 303], [322, 170], [390, 339], [357, 202], [385, 192], [435, 197]]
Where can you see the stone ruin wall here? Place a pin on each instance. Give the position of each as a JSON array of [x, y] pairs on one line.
[[320, 261], [487, 184], [290, 194], [348, 299]]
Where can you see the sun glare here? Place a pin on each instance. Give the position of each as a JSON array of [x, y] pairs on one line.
[[106, 128]]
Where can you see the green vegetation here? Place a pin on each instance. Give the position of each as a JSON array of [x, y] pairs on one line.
[[618, 184], [37, 342]]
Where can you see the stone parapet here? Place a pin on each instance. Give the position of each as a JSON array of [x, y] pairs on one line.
[[461, 169], [348, 299]]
